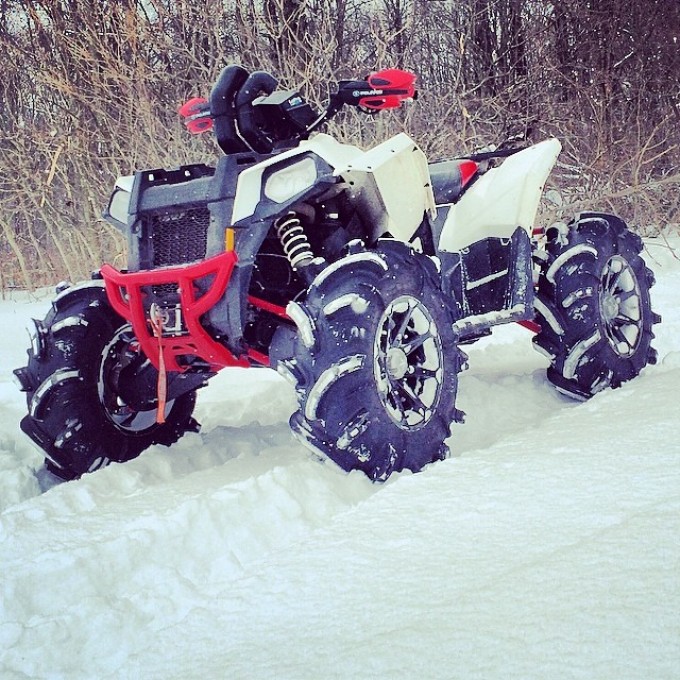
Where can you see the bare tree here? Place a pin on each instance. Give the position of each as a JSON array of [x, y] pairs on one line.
[[89, 90]]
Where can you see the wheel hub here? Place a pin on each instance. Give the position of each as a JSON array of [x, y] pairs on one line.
[[129, 412], [396, 363], [408, 362], [621, 306], [610, 306]]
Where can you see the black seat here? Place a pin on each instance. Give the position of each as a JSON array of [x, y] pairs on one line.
[[223, 108]]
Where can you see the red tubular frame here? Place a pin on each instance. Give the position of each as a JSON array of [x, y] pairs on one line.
[[126, 295], [270, 307]]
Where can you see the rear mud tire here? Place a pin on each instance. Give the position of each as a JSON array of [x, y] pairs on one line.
[[76, 414], [593, 306], [375, 362]]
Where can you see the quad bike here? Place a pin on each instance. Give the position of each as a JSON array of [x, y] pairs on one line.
[[355, 274]]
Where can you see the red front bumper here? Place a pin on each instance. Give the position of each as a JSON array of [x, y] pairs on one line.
[[127, 296]]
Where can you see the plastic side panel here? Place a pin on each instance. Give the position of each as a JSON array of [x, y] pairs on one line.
[[391, 186], [248, 189], [501, 200]]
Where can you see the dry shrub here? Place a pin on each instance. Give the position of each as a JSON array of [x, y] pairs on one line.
[[90, 91]]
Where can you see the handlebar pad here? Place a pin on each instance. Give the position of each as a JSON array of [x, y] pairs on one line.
[[386, 89]]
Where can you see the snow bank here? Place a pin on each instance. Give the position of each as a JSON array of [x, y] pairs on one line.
[[546, 547]]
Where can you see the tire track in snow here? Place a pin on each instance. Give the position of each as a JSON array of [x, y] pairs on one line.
[[217, 502], [504, 391]]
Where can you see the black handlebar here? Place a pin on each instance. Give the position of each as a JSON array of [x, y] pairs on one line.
[[248, 114]]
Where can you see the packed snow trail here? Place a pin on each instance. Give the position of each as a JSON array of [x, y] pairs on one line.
[[510, 562], [548, 546]]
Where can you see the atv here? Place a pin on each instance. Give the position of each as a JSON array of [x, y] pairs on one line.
[[355, 274]]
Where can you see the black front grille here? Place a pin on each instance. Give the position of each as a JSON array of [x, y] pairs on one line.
[[179, 237], [166, 291]]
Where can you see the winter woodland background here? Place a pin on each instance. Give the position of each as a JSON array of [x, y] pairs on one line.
[[547, 547], [90, 88]]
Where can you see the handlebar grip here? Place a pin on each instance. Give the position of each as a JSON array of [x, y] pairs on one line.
[[257, 84], [223, 109]]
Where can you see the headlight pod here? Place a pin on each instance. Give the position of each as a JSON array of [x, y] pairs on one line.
[[119, 205], [117, 210], [290, 181]]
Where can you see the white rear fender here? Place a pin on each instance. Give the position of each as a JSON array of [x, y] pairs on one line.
[[502, 199]]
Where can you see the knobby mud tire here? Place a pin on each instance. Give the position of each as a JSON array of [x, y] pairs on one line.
[[75, 415], [375, 362], [593, 306]]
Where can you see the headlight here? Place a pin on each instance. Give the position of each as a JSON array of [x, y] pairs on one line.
[[288, 182]]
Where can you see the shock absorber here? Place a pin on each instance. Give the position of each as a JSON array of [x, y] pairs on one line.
[[294, 240]]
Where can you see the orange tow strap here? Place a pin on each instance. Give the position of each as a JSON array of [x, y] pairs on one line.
[[162, 384]]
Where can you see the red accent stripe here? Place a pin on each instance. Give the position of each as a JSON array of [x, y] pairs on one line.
[[258, 356], [468, 169], [531, 326], [268, 307]]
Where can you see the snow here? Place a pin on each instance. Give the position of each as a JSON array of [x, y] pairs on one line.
[[547, 546]]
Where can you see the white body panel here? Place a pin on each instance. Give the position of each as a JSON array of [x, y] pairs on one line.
[[119, 203], [248, 188], [125, 183], [502, 199], [390, 184]]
